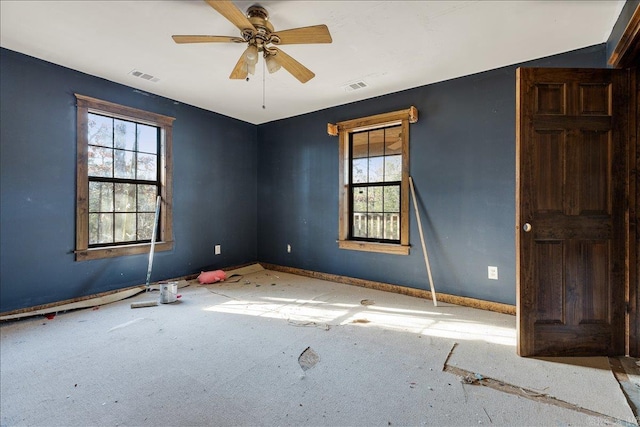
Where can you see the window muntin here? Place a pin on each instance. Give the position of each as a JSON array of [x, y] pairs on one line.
[[124, 163]]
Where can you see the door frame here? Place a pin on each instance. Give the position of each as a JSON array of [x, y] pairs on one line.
[[625, 54]]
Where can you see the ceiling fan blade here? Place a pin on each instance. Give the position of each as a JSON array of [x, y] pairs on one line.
[[206, 39], [240, 71], [227, 9], [305, 35], [298, 70]]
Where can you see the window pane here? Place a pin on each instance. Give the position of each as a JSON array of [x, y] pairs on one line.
[[100, 197], [360, 199], [124, 135], [376, 143], [359, 224], [125, 197], [360, 168], [100, 130], [393, 140], [359, 145], [375, 199], [392, 226], [147, 167], [100, 228], [393, 168], [147, 195], [147, 139], [125, 164], [376, 169], [145, 225], [392, 199], [125, 227], [375, 226], [100, 162]]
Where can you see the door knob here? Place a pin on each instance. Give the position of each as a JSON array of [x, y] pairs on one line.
[[527, 227]]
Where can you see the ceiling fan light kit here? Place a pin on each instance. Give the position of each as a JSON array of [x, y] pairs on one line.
[[258, 33], [272, 64], [251, 55]]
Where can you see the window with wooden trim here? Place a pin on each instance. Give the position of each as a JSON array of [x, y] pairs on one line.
[[374, 182], [124, 164]]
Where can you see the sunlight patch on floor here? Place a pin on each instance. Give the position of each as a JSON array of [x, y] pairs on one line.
[[430, 323]]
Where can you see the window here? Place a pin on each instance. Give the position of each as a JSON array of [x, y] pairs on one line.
[[123, 165], [376, 179], [374, 182]]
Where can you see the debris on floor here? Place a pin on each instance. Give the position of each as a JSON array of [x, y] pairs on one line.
[[144, 304], [234, 278], [472, 379], [367, 302], [360, 321], [324, 326], [308, 359]]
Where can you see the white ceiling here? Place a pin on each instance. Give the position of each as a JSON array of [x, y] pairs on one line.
[[390, 45]]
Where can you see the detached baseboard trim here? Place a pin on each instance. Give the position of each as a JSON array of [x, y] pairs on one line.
[[73, 304], [419, 293], [92, 300]]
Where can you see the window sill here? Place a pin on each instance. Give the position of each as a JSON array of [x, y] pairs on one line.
[[385, 248], [115, 251]]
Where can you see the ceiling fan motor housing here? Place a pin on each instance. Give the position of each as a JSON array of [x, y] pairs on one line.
[[259, 18]]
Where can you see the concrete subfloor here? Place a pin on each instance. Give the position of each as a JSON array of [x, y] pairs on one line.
[[228, 354]]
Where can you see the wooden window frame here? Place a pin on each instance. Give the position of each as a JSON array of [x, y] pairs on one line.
[[164, 242], [343, 130]]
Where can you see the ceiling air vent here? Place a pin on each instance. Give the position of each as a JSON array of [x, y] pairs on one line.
[[145, 76], [355, 86]]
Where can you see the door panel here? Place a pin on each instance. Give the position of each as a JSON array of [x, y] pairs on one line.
[[571, 190]]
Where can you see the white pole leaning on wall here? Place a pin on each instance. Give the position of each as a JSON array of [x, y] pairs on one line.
[[153, 240], [424, 247]]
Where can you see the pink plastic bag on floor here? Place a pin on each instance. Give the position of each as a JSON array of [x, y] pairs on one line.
[[206, 277]]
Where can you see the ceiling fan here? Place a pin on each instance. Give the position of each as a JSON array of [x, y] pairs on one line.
[[258, 33]]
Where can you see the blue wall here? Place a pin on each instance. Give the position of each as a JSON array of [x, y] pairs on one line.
[[255, 189], [214, 187], [462, 153]]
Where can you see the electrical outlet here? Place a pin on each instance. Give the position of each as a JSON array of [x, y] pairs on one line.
[[218, 250], [493, 272], [288, 248]]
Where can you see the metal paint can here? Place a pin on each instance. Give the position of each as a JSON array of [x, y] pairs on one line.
[[168, 292]]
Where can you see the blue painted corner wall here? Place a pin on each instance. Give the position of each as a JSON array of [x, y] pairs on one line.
[[255, 189], [214, 187], [462, 153]]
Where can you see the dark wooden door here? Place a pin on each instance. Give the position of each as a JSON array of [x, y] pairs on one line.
[[570, 211]]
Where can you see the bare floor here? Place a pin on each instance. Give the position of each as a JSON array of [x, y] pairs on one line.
[[281, 349]]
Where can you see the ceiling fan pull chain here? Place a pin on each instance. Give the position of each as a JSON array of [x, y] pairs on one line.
[[263, 83]]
